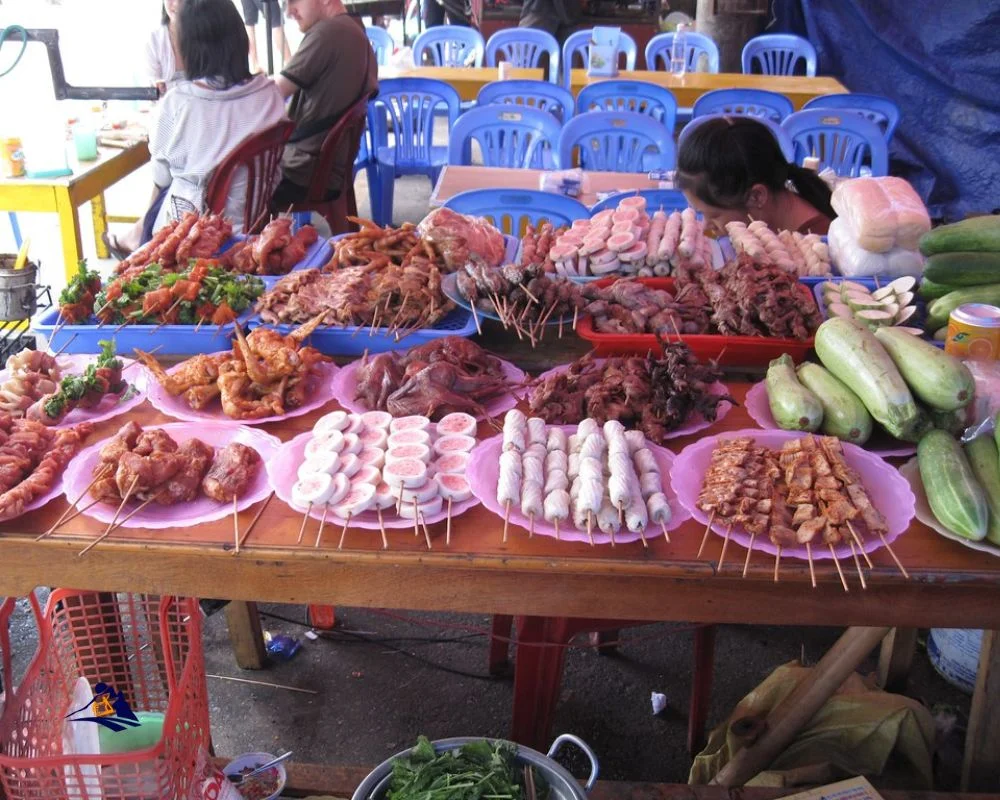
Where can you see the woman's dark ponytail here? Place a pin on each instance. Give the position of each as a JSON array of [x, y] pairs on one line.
[[812, 188]]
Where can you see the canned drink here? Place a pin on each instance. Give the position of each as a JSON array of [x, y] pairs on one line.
[[13, 158], [974, 332]]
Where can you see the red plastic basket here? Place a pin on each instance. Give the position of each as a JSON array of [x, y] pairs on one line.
[[730, 351], [148, 649]]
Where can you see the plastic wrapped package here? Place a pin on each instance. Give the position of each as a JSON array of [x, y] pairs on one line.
[[882, 213], [853, 260], [570, 182], [459, 237], [986, 404]]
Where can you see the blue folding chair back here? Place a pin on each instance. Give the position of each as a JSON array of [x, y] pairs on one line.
[[779, 54], [701, 53], [656, 199], [640, 97], [578, 44], [616, 141], [516, 138], [511, 210], [744, 102], [382, 43], [407, 107], [524, 47], [546, 96], [873, 107], [784, 140], [842, 140], [449, 46]]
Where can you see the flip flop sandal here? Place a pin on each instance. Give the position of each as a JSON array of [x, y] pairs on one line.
[[111, 242]]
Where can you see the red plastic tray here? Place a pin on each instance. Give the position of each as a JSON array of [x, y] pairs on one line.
[[730, 351]]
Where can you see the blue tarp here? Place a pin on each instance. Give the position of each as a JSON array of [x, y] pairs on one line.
[[940, 63]]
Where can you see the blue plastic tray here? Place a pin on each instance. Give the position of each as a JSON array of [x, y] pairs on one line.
[[354, 341], [172, 339], [918, 320]]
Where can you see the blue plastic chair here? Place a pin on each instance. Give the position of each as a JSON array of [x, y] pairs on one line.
[[744, 102], [784, 141], [616, 141], [844, 142], [880, 110], [524, 47], [450, 46], [779, 54], [641, 97], [578, 44], [547, 96], [514, 138], [382, 43], [656, 199], [510, 210], [407, 106], [698, 49]]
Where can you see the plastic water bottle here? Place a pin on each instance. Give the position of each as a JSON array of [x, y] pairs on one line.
[[678, 51]]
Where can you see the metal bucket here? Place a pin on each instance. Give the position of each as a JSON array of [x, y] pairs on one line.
[[18, 293], [562, 785]]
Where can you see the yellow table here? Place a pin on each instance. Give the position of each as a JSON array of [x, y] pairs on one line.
[[64, 196], [467, 81]]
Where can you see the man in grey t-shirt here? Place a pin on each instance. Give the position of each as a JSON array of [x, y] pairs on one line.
[[332, 69]]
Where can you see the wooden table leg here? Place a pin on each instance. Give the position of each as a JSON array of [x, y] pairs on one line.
[[895, 658], [500, 626], [245, 635], [99, 213], [69, 231], [701, 686], [981, 767], [538, 668]]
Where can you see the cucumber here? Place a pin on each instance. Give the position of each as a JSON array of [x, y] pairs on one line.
[[939, 311], [936, 378], [976, 234], [963, 268], [955, 422], [793, 406], [929, 290], [853, 354], [985, 463], [954, 494], [844, 415]]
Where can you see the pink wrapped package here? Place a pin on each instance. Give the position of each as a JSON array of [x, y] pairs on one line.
[[458, 237], [209, 783]]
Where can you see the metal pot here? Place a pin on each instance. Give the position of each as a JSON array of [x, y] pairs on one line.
[[18, 293], [562, 785]]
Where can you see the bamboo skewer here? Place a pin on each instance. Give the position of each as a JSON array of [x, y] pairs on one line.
[[642, 537], [60, 323], [416, 514], [427, 533], [343, 532], [893, 554], [322, 525], [63, 518], [381, 527], [475, 317], [531, 526], [253, 522], [590, 528], [857, 563], [66, 344], [71, 517], [777, 562], [447, 532], [506, 521], [575, 312], [555, 522], [236, 525], [840, 572], [746, 563], [663, 527], [860, 544], [107, 531], [725, 546], [305, 519], [708, 529], [812, 570], [133, 512], [165, 320]]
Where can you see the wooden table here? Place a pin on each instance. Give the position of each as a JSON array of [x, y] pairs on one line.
[[467, 81], [540, 579], [454, 179], [64, 196]]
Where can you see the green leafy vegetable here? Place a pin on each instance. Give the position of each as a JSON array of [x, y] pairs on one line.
[[480, 770]]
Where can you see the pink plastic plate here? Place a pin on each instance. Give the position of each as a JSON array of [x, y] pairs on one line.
[[694, 423], [346, 381], [484, 474], [178, 408], [110, 406], [759, 409], [889, 491], [80, 471], [284, 466], [911, 471]]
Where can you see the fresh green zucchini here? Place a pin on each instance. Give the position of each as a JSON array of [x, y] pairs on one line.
[[985, 463], [793, 406], [936, 378], [954, 494], [844, 415], [939, 310]]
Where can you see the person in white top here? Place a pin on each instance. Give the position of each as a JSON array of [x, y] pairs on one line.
[[162, 62], [202, 119]]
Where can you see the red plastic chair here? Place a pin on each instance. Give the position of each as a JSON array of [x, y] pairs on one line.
[[350, 128], [260, 153]]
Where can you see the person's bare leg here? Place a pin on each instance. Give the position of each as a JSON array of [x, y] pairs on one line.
[[281, 44], [133, 238], [252, 37]]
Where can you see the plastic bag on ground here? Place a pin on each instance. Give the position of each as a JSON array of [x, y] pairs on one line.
[[853, 260], [458, 237]]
